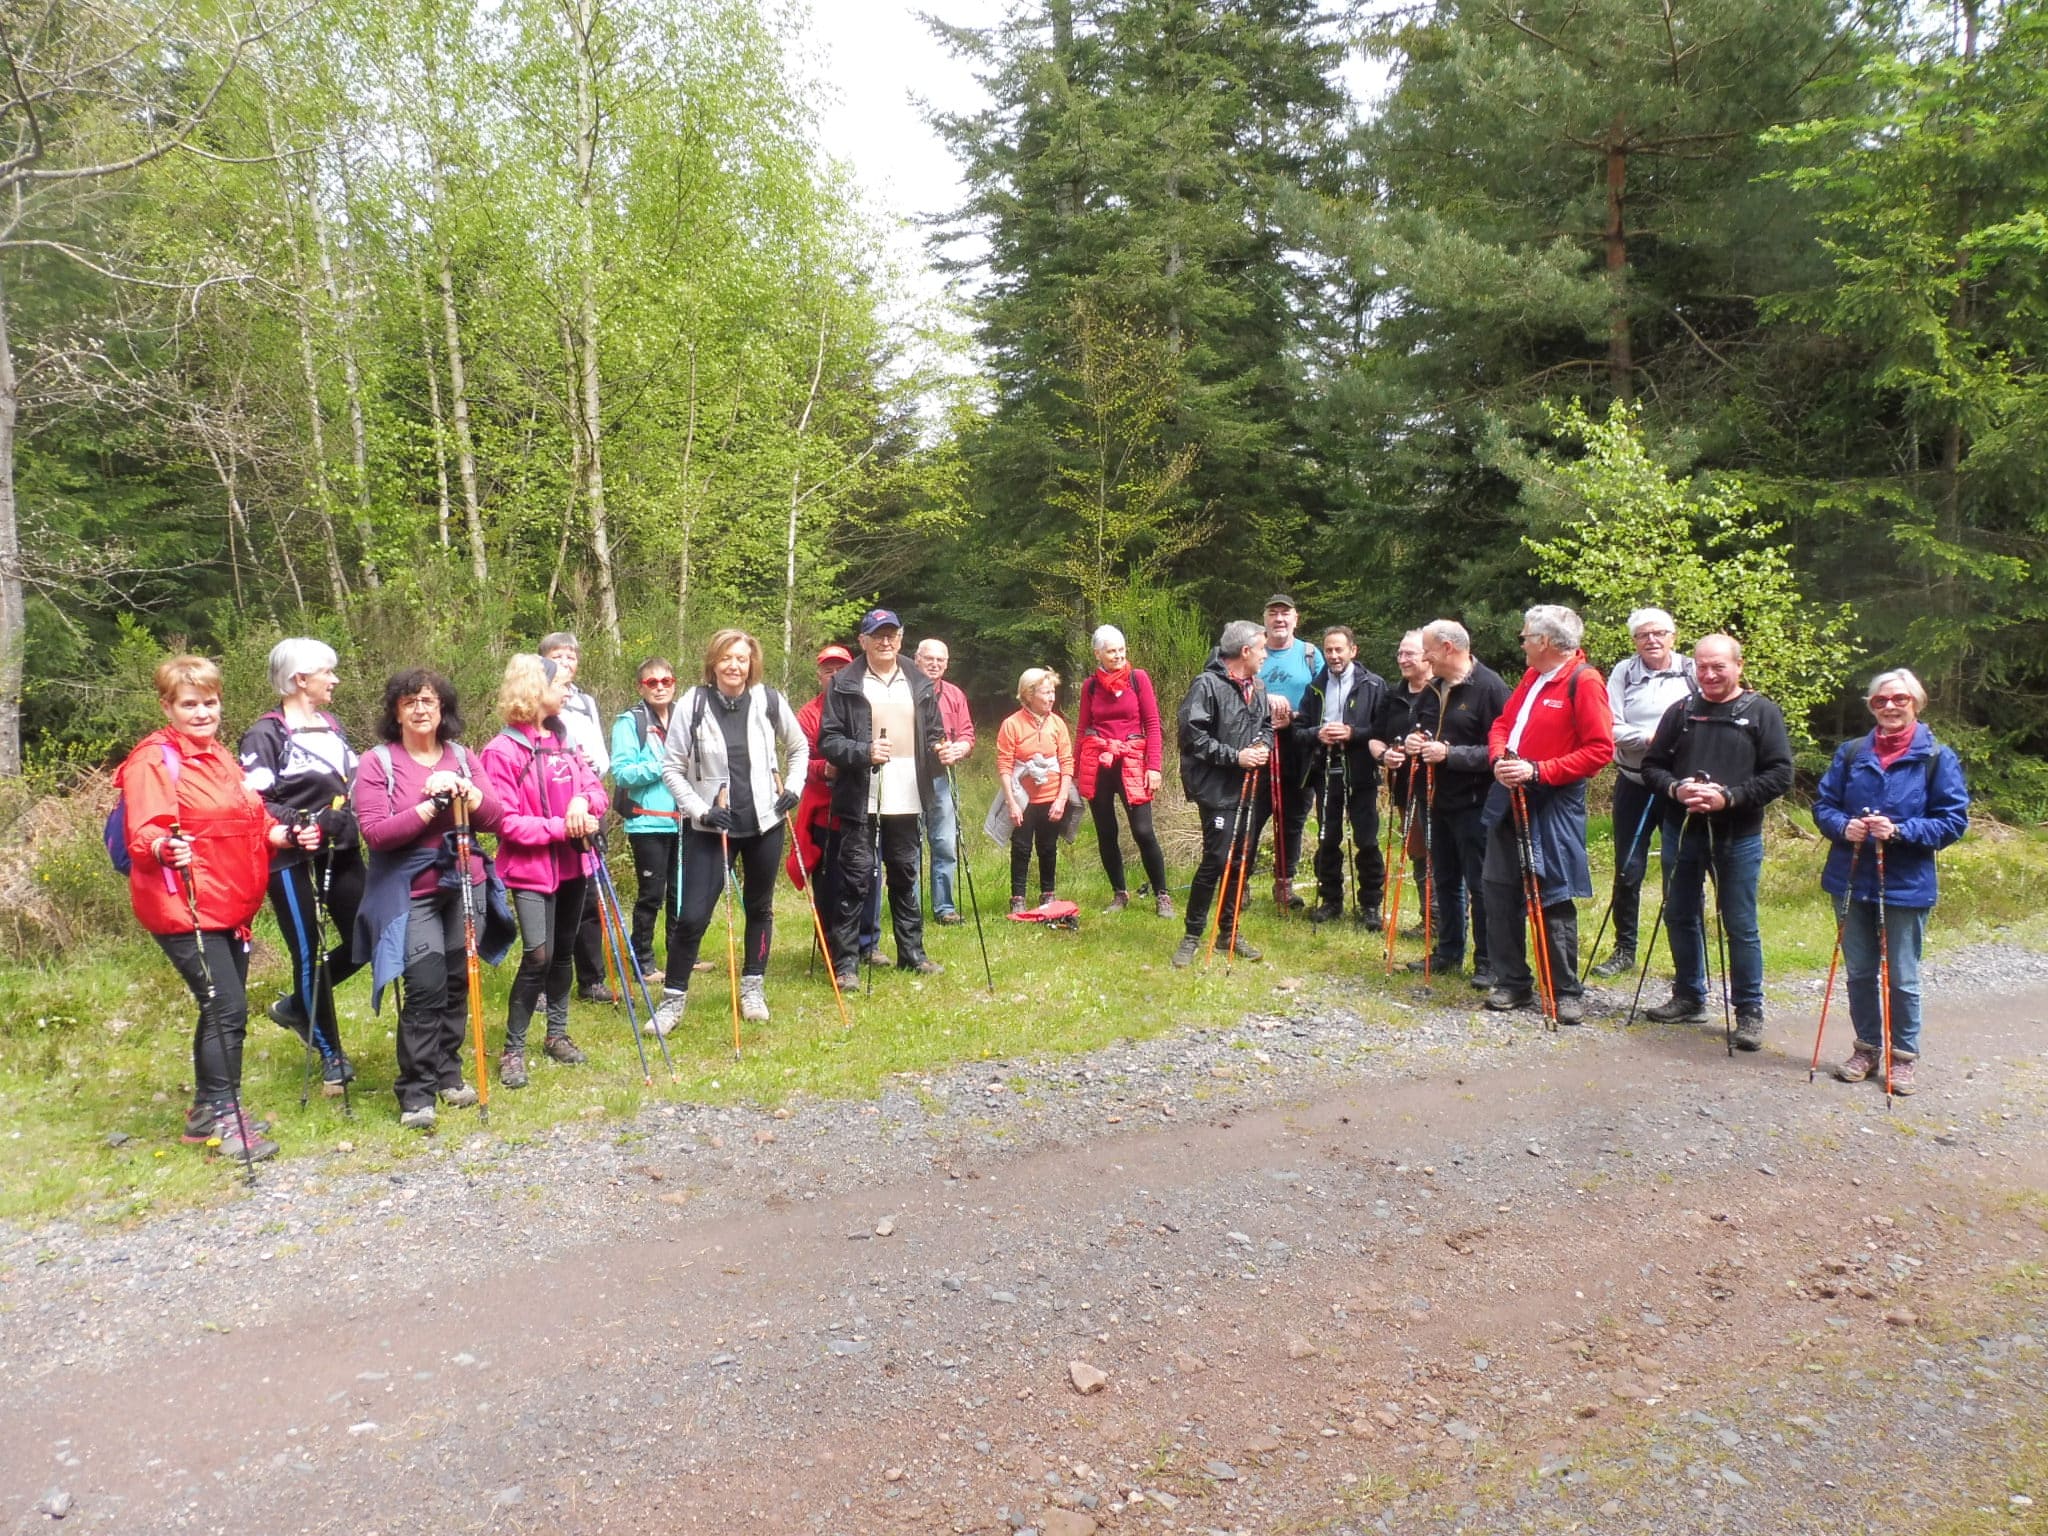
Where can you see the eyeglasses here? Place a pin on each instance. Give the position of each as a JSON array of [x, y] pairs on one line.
[[1891, 701], [420, 701], [657, 682]]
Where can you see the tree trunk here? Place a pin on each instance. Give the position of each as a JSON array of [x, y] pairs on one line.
[[689, 514], [1621, 366], [796, 474], [443, 504], [352, 386], [587, 127], [13, 595], [458, 412]]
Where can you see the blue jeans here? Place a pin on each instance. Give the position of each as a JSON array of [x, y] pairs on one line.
[[942, 830], [1736, 862], [1905, 933]]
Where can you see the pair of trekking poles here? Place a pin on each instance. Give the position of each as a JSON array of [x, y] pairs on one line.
[[1423, 806], [1713, 879]]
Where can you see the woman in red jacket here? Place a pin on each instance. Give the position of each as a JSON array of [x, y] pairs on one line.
[[199, 843], [1035, 761], [1119, 757]]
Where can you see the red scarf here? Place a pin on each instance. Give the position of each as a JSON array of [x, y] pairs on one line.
[[1116, 682], [1891, 748]]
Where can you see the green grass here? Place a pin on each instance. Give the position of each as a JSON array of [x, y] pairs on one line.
[[99, 1043]]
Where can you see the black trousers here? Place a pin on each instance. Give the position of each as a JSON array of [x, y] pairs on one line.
[[223, 1018], [1349, 795], [758, 860], [1507, 921], [659, 892], [1457, 858], [1632, 838], [1109, 789], [434, 1000], [1219, 822], [548, 924], [295, 898], [587, 941], [1037, 830], [1295, 801], [902, 851]]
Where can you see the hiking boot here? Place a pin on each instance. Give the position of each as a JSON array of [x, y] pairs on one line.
[[1505, 999], [421, 1119], [598, 992], [1327, 912], [1284, 897], [1162, 905], [561, 1048], [1749, 1029], [1482, 980], [1678, 1008], [1621, 963], [1117, 903], [1184, 954], [336, 1073], [1861, 1063], [461, 1096], [653, 975], [670, 1013], [1017, 906], [1902, 1075], [1571, 1010], [1368, 919], [872, 955], [286, 1013], [512, 1068], [848, 977], [948, 919], [1243, 950], [922, 965], [235, 1136], [753, 999], [199, 1123]]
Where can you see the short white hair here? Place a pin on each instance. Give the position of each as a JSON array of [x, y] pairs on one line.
[[292, 659], [1655, 616], [1557, 624], [1448, 632], [1105, 635], [1901, 678]]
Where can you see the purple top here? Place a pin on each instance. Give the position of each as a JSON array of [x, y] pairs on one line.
[[387, 813]]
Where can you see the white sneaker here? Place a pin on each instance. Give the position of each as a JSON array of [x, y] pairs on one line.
[[669, 1013], [753, 1000]]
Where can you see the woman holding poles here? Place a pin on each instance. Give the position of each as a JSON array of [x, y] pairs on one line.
[[735, 763], [298, 759], [198, 841], [653, 825], [413, 907], [1033, 747], [1890, 800], [1121, 757], [550, 801]]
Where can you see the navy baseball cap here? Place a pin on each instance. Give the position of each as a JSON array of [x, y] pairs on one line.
[[879, 618]]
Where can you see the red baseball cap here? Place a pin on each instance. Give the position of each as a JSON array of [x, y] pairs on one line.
[[837, 653]]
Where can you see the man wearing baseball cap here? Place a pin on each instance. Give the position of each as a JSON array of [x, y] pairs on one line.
[[881, 730], [1291, 665], [814, 843]]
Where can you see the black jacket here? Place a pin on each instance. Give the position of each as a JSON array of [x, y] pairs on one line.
[[1218, 719], [1399, 713], [846, 731], [1461, 716], [307, 769], [1362, 708], [1741, 745]]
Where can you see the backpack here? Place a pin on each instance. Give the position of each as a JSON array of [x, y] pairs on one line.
[[115, 833], [382, 752]]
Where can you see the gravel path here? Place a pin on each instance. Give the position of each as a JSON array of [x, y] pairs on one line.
[[1357, 1264]]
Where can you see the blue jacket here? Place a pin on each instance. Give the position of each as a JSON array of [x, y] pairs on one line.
[[636, 770], [1557, 833], [1924, 793]]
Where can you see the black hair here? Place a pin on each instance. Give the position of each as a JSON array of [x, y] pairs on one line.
[[403, 685]]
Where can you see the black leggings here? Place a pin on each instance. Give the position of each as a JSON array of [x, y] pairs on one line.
[[1042, 828], [548, 921], [758, 859], [434, 1003], [224, 1019], [295, 898], [1109, 789]]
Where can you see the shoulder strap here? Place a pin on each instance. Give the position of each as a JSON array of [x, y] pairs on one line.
[[382, 752]]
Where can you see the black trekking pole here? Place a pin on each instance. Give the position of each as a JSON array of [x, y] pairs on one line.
[[1642, 831], [628, 959], [208, 1017], [1244, 872], [966, 863], [623, 997], [875, 868], [323, 980], [1720, 941], [1650, 944]]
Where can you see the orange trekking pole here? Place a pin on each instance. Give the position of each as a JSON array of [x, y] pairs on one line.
[[1532, 899], [1841, 922], [1238, 820]]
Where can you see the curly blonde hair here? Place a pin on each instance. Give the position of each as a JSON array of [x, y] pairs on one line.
[[522, 695]]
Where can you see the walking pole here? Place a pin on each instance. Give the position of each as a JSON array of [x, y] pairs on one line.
[[185, 882], [732, 952], [1884, 972], [818, 928], [1642, 831], [965, 860], [470, 959], [323, 981], [1283, 882], [1393, 921], [1720, 942], [1841, 922], [609, 946], [1429, 870], [1237, 817], [1663, 901], [611, 914], [1532, 901], [1386, 839], [1244, 877]]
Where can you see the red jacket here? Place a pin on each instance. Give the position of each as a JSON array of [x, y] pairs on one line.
[[1570, 735], [225, 820], [814, 809], [1121, 730]]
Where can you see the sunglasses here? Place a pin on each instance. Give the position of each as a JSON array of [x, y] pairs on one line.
[[657, 682], [1891, 701]]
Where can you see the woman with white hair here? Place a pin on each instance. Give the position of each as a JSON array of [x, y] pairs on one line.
[[1120, 757], [1890, 800], [1034, 763], [298, 760]]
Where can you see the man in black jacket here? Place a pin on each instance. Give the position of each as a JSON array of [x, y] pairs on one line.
[[1225, 725], [1335, 723], [1397, 720], [1459, 707], [1716, 761], [881, 730]]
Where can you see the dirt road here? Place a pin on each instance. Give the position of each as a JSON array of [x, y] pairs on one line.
[[1603, 1281]]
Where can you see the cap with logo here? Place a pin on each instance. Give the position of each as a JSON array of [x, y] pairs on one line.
[[834, 653], [879, 618]]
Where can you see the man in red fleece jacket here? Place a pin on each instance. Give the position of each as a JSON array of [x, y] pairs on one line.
[[1555, 732]]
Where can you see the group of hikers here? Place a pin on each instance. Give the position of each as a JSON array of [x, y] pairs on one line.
[[372, 861]]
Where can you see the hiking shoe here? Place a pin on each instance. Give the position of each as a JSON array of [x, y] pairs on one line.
[[1571, 1010], [1482, 980], [923, 965], [1283, 896], [1162, 905], [1018, 906], [286, 1013], [1749, 1029], [653, 975], [1369, 920], [235, 1136], [199, 1122], [598, 992], [670, 1013], [1902, 1076], [1621, 963], [561, 1048], [1184, 954], [1327, 912], [948, 919], [512, 1068], [872, 955], [1504, 999], [1678, 1008], [336, 1073], [461, 1096], [1861, 1063], [421, 1119], [753, 999], [1243, 950], [848, 977], [1117, 903]]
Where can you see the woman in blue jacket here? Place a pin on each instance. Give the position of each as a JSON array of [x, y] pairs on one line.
[[1890, 801], [639, 738]]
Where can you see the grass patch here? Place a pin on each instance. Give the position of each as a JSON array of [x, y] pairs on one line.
[[97, 1046]]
